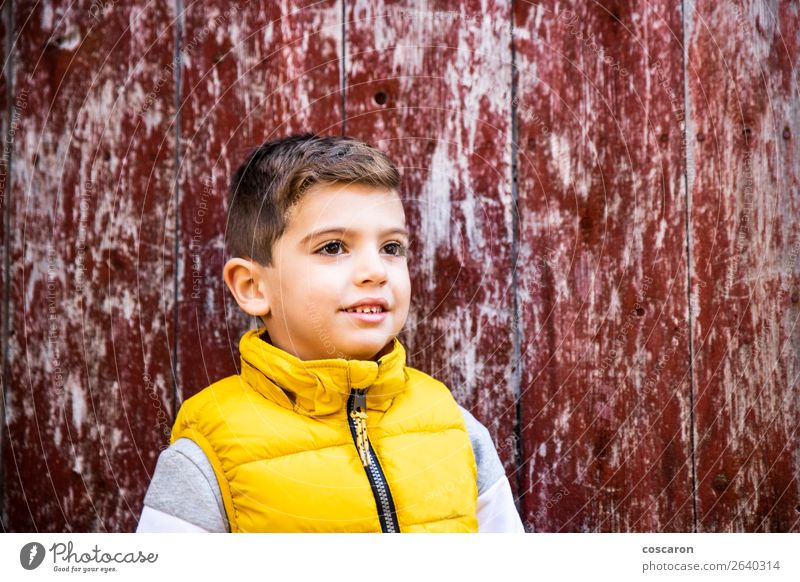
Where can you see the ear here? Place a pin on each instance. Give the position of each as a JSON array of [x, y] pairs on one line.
[[246, 280]]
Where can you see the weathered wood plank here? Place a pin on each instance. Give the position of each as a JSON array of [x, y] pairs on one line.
[[5, 171], [606, 411], [607, 324], [91, 263], [745, 238], [251, 72], [429, 83]]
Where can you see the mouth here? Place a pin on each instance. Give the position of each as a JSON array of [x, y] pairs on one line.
[[365, 309], [370, 311], [368, 305]]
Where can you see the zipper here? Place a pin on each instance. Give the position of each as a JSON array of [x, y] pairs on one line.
[[357, 419]]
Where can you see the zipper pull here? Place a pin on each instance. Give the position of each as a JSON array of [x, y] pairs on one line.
[[359, 416], [360, 400]]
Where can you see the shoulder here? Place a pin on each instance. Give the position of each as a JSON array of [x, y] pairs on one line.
[[417, 379], [425, 404], [211, 409], [194, 407], [221, 390], [206, 417], [490, 468], [426, 393]]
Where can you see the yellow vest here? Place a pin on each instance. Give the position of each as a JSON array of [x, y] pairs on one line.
[[334, 445]]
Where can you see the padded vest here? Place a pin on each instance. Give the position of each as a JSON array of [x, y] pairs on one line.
[[334, 445]]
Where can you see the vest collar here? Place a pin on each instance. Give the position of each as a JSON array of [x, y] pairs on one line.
[[319, 387]]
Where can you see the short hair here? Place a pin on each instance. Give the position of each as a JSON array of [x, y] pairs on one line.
[[275, 176]]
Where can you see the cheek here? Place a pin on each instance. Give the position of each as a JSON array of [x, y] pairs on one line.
[[403, 299], [300, 282], [319, 288], [402, 284]]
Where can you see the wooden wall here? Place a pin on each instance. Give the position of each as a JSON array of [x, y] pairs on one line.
[[604, 198]]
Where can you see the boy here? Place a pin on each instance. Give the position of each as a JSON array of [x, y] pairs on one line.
[[326, 429]]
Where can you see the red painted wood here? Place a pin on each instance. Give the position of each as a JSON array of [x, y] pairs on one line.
[[606, 403], [625, 369], [431, 87], [5, 170], [252, 72], [745, 192], [91, 254]]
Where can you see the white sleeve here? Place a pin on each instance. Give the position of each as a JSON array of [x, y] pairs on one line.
[[496, 510], [155, 521]]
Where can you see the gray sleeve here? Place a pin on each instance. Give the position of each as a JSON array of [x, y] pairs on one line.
[[490, 469], [184, 485]]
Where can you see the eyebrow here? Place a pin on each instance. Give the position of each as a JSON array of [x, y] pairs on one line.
[[339, 230]]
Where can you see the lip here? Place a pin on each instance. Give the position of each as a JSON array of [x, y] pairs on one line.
[[368, 317]]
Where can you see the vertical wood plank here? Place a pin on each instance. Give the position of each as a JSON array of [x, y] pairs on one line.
[[745, 237], [5, 171], [91, 263], [606, 403], [251, 72], [429, 83]]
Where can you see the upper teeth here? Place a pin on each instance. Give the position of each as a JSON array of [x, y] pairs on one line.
[[366, 309]]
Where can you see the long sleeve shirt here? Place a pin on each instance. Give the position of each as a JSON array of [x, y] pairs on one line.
[[184, 495]]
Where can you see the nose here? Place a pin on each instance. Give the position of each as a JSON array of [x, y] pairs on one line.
[[370, 268]]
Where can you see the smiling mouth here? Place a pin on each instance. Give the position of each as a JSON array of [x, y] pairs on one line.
[[365, 309]]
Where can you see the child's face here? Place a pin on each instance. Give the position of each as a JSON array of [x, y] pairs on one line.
[[316, 275]]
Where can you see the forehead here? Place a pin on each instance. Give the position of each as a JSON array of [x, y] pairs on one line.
[[351, 206]]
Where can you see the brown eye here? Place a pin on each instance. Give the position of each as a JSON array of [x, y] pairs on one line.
[[395, 248], [332, 248]]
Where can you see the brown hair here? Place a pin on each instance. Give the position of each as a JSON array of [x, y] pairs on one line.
[[276, 174]]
